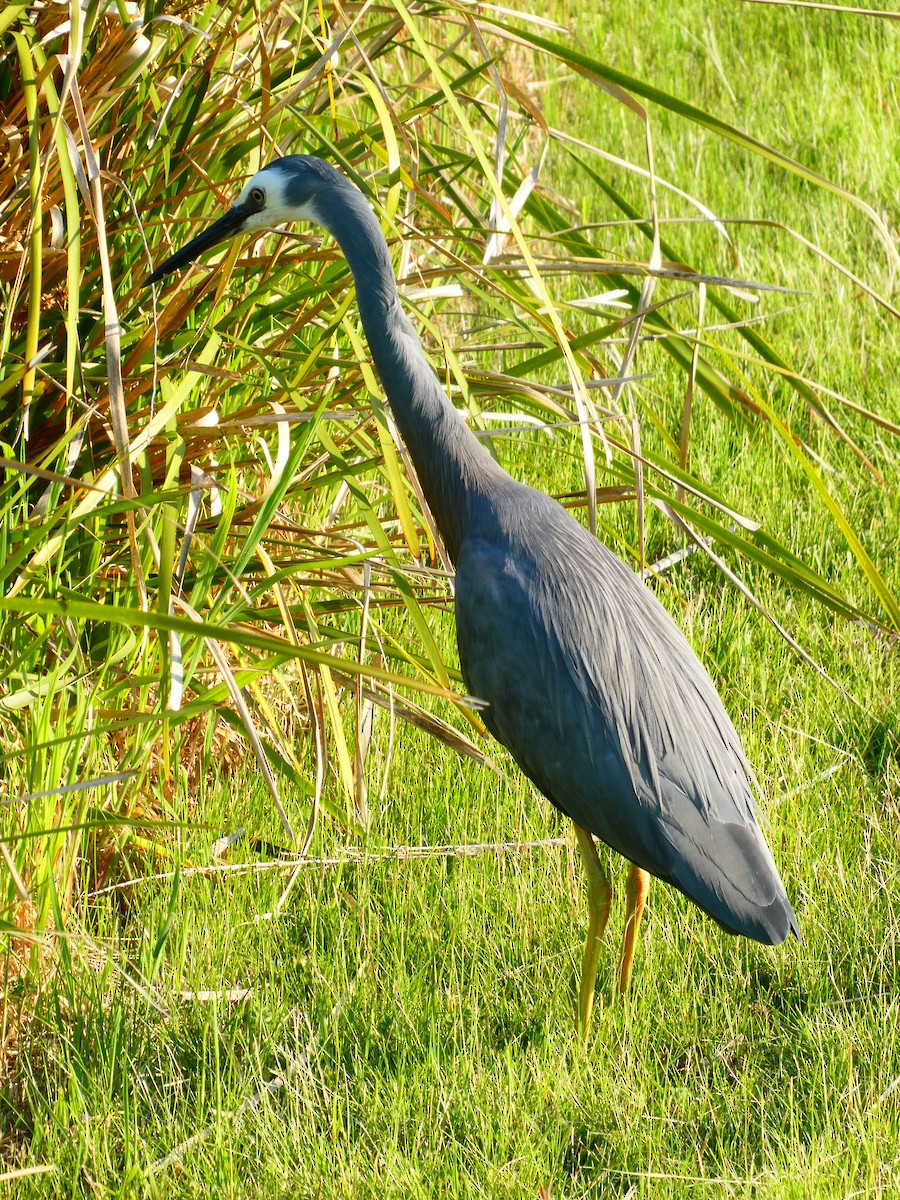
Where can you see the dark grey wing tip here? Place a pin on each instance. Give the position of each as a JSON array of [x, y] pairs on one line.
[[772, 926], [792, 927]]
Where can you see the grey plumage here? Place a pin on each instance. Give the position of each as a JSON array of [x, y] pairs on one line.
[[606, 708], [586, 678]]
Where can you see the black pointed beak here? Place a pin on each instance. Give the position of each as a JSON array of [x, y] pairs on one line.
[[229, 224]]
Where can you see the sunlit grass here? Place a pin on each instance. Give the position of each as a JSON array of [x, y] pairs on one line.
[[400, 1025]]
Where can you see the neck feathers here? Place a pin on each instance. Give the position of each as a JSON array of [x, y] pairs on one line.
[[454, 469]]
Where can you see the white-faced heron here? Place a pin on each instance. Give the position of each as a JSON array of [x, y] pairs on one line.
[[585, 677]]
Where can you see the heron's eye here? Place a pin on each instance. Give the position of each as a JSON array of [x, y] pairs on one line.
[[257, 197]]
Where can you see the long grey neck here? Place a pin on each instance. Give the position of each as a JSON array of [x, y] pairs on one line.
[[455, 471]]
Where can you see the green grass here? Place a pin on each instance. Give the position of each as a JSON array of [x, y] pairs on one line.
[[420, 1013], [405, 1027]]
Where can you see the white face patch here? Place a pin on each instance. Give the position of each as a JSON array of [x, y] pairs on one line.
[[277, 209]]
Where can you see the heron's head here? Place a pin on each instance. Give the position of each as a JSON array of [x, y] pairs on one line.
[[288, 189]]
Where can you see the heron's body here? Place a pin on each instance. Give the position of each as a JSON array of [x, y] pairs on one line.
[[626, 735], [585, 677]]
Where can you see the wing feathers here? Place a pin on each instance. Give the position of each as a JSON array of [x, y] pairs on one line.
[[603, 703]]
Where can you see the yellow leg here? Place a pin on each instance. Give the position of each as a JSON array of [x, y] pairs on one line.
[[636, 890], [599, 899]]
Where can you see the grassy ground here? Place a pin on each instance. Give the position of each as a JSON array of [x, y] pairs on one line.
[[405, 1027]]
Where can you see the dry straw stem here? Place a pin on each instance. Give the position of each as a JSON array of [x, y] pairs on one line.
[[344, 857]]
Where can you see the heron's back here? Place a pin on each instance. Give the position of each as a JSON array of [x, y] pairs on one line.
[[605, 706]]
